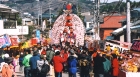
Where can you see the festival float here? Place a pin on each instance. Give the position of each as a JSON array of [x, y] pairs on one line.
[[68, 29], [129, 61]]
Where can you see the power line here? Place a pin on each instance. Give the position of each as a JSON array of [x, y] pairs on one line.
[[113, 10]]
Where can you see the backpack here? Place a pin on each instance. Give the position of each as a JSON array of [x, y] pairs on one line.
[[72, 63], [83, 62], [45, 68]]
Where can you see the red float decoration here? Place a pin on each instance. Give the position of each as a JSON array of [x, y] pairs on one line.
[[68, 23], [68, 17], [69, 6]]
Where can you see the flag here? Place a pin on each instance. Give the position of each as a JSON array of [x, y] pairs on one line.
[[38, 35], [44, 25]]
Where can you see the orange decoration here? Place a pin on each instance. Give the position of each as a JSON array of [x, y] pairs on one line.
[[68, 17], [69, 6], [68, 24]]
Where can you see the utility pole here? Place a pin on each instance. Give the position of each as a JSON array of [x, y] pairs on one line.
[[96, 19], [98, 16], [96, 22], [41, 15], [50, 14], [128, 22], [38, 3]]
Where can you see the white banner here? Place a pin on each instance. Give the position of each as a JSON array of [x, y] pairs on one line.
[[112, 46]]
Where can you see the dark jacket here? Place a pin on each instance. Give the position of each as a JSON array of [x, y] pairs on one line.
[[1, 60], [88, 64], [98, 64], [49, 55], [33, 61]]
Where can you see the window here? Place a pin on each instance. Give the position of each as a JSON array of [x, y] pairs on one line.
[[91, 25], [10, 25]]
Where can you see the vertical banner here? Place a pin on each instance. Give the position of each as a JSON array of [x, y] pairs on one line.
[[38, 35], [2, 42], [44, 25], [14, 42], [7, 40]]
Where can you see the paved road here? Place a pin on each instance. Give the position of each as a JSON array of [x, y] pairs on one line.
[[19, 74]]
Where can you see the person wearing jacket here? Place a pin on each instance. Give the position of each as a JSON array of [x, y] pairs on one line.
[[26, 64], [20, 62], [115, 66], [49, 55], [72, 64], [40, 64], [98, 65], [8, 68], [33, 64], [58, 64], [107, 66], [85, 64]]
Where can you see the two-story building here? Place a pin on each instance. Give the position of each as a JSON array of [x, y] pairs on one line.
[[110, 24], [8, 22]]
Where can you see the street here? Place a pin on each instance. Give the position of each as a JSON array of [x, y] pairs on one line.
[[19, 74]]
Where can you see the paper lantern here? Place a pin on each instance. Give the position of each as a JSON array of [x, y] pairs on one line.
[[69, 6], [68, 17], [68, 23]]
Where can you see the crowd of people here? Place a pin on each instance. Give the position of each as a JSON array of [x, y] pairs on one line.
[[37, 62]]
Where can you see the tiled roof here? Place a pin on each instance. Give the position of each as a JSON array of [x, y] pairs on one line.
[[112, 22]]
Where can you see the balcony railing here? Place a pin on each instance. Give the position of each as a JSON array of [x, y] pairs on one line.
[[10, 24]]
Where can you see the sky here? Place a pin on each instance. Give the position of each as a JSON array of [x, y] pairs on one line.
[[117, 0]]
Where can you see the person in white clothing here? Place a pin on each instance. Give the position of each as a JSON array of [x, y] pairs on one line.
[[40, 64]]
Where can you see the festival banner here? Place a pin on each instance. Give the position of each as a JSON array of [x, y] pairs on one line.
[[7, 40], [111, 46], [2, 42], [38, 34], [25, 45], [14, 42], [33, 41]]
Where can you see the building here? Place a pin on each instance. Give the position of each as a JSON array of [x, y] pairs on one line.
[[120, 34], [89, 24], [8, 22], [110, 24]]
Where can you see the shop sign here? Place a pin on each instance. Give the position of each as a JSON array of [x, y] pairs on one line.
[[112, 46]]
